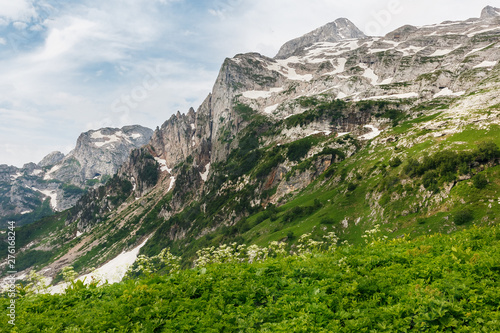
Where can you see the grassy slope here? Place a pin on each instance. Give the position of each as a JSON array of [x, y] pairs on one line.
[[432, 283], [368, 168]]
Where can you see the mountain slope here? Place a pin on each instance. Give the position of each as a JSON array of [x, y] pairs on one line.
[[400, 131], [62, 179]]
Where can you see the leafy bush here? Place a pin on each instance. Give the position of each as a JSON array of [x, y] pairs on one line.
[[480, 181], [298, 149], [395, 162], [351, 187], [327, 221], [463, 216]]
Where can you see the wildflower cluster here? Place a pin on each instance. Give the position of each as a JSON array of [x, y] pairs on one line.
[[242, 253], [308, 245], [69, 274], [374, 235], [164, 261], [238, 253], [37, 284]]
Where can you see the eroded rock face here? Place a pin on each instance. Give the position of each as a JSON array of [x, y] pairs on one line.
[[335, 31], [490, 12], [51, 159]]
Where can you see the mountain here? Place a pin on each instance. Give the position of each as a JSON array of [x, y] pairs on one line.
[[339, 135], [63, 179], [336, 31]]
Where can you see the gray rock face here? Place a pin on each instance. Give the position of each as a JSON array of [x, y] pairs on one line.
[[99, 152], [51, 159], [490, 12], [335, 31]]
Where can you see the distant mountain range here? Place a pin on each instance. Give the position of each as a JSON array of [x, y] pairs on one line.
[[60, 179]]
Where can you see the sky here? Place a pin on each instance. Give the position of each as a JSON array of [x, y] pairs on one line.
[[68, 66]]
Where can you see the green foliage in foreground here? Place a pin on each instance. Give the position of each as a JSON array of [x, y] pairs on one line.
[[435, 283]]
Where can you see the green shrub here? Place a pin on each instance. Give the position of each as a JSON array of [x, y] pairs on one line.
[[351, 187], [298, 149], [327, 221], [463, 216], [395, 162], [480, 181]]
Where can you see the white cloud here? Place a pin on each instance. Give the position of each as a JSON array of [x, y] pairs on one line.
[[13, 10]]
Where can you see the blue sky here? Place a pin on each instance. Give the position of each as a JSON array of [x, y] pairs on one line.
[[74, 65]]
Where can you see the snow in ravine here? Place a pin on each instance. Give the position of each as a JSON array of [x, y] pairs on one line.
[[172, 183], [163, 164], [373, 134], [111, 272], [204, 175]]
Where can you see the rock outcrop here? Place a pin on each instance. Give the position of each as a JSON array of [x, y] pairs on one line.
[[335, 31]]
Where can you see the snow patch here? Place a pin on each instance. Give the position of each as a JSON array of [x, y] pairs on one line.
[[319, 132], [112, 272], [485, 64], [472, 34], [438, 53], [373, 134], [339, 68], [406, 95], [51, 194], [163, 165], [271, 109], [51, 171], [281, 66], [193, 127], [370, 75], [204, 175], [109, 139], [17, 175], [26, 212], [386, 81], [378, 50], [410, 50], [172, 183], [256, 94], [36, 172], [341, 95], [447, 92], [474, 51]]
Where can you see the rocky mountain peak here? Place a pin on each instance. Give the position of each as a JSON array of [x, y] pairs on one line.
[[335, 31], [51, 159], [490, 12]]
